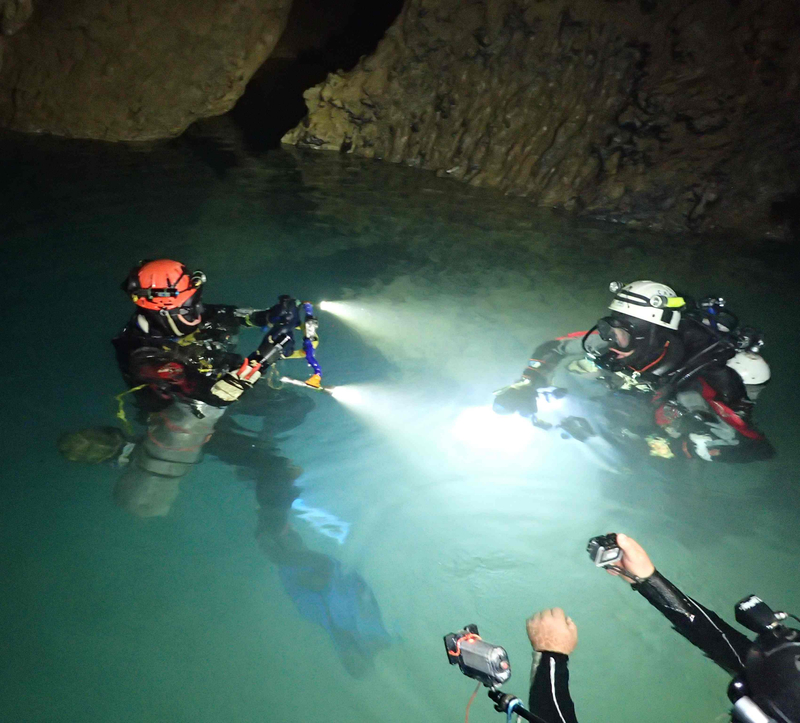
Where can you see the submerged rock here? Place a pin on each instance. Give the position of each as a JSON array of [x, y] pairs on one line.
[[130, 70], [673, 114]]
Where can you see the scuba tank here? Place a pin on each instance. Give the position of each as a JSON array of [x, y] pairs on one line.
[[173, 444], [726, 341]]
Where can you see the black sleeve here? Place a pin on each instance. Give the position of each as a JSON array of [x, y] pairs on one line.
[[549, 696], [544, 361], [258, 318], [704, 629]]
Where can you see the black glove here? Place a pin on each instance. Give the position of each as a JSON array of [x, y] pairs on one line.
[[577, 428], [519, 397], [277, 344], [284, 313]]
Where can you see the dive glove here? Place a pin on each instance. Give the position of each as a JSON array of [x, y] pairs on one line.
[[518, 397], [231, 386]]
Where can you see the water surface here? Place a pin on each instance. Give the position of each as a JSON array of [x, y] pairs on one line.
[[448, 289]]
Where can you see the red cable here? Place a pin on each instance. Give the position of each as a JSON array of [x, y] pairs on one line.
[[472, 697]]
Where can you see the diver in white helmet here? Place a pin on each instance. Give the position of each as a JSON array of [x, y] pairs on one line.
[[661, 374]]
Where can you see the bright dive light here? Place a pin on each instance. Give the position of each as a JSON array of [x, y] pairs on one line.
[[347, 310], [347, 394], [334, 307]]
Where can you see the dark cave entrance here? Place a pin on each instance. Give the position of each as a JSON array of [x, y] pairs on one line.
[[321, 36]]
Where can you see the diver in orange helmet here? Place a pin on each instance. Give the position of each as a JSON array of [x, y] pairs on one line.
[[176, 345], [167, 290]]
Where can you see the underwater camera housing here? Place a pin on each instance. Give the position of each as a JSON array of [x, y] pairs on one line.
[[476, 658], [603, 550], [768, 690], [754, 614]]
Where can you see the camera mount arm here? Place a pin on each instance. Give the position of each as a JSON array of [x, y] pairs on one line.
[[511, 705]]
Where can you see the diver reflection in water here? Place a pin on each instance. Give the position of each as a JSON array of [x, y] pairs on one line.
[[320, 588], [661, 377]]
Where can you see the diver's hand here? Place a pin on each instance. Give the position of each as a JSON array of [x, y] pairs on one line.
[[577, 428], [233, 384], [552, 631], [518, 397], [634, 559]]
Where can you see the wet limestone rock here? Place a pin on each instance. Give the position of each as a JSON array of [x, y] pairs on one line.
[[676, 114], [130, 69]]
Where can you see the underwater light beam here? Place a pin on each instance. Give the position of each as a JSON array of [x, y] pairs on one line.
[[347, 394], [343, 309]]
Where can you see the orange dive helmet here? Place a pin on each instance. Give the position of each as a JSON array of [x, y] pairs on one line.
[[163, 285]]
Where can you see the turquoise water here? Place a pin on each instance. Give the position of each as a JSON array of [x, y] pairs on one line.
[[447, 290]]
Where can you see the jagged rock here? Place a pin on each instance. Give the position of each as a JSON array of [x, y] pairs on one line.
[[133, 69], [676, 114]]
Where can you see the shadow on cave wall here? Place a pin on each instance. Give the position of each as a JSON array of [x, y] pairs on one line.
[[321, 36]]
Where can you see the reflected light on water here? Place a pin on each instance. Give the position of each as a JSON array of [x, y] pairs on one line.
[[481, 427]]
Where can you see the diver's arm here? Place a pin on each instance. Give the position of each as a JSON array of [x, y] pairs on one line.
[[252, 317], [549, 697], [704, 629], [544, 361], [284, 313], [521, 396]]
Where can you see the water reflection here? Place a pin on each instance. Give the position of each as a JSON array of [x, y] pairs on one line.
[[461, 284]]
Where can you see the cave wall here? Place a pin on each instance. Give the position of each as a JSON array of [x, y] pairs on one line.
[[129, 69], [669, 114]]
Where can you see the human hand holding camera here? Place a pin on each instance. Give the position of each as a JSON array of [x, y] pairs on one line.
[[552, 631], [634, 559], [621, 555]]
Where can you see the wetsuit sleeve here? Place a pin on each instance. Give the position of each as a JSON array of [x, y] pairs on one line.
[[549, 696], [521, 396], [252, 317], [544, 361], [704, 629]]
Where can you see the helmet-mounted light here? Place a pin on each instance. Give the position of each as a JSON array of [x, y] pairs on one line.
[[163, 284], [650, 301], [669, 302]]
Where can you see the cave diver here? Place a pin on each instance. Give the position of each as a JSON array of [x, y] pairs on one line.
[[178, 357], [661, 376]]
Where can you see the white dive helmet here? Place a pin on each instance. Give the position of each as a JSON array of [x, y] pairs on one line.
[[753, 369], [648, 300]]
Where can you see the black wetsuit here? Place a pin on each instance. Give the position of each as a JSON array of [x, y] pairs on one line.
[[726, 646], [150, 353]]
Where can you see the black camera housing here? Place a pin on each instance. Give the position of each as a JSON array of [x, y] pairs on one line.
[[604, 550], [477, 659], [754, 614]]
